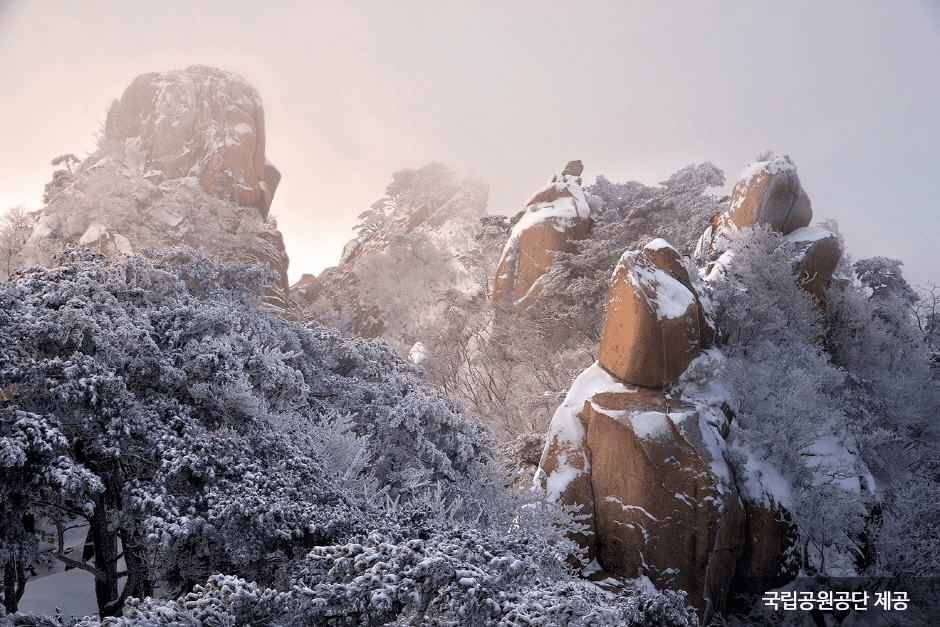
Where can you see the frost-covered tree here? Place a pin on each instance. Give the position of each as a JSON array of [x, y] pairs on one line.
[[61, 178], [790, 411], [15, 227], [159, 404], [413, 246]]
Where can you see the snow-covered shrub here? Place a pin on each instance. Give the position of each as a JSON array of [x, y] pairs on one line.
[[463, 580]]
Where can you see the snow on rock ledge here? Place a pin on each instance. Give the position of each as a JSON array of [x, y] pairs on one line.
[[552, 220]]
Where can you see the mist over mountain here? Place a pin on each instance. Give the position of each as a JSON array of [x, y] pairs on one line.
[[626, 404]]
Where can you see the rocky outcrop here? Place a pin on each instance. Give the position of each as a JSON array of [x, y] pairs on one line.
[[817, 256], [181, 163], [647, 468], [655, 323], [770, 193], [552, 220], [201, 122], [649, 472]]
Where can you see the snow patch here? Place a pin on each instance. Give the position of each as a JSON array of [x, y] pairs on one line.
[[94, 232], [418, 353], [668, 298], [658, 244], [650, 425]]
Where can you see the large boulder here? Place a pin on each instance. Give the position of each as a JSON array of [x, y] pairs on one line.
[[551, 221], [818, 255], [649, 472], [769, 192], [653, 329], [201, 122]]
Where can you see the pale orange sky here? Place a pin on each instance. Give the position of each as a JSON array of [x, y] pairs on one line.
[[354, 91]]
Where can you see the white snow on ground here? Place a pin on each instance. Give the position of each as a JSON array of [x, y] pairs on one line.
[[834, 457], [72, 591], [717, 269]]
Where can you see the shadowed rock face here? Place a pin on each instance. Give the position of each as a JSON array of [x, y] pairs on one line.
[[200, 122], [818, 254]]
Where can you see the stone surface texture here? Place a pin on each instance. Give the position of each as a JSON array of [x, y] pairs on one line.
[[201, 122], [552, 220]]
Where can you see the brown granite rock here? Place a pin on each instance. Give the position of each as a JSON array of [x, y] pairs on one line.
[[818, 257], [306, 290], [551, 221], [652, 331], [668, 259], [201, 122], [268, 185], [770, 192], [574, 168], [269, 249], [643, 467]]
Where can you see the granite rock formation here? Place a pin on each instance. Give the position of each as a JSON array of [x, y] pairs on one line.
[[655, 319], [649, 472], [181, 162], [769, 192], [552, 220], [201, 122]]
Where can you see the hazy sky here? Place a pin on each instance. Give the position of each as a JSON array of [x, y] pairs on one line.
[[511, 91]]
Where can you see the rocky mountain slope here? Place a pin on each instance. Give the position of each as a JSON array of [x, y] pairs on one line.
[[181, 162], [652, 450]]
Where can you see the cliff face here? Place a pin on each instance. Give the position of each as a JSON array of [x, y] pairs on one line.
[[181, 162]]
